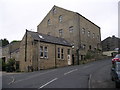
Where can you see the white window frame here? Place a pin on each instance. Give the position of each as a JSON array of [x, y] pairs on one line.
[[61, 32], [60, 18], [48, 22], [54, 10], [93, 35], [41, 51], [45, 52], [88, 33], [58, 53], [71, 29], [83, 30]]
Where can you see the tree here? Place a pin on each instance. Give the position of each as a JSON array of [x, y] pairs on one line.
[[4, 42], [10, 65]]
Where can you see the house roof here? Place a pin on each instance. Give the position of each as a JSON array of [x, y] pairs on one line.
[[49, 39]]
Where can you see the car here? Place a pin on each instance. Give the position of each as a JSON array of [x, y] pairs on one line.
[[115, 74], [116, 58]]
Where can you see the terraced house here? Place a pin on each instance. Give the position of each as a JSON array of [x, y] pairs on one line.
[[73, 27], [40, 51]]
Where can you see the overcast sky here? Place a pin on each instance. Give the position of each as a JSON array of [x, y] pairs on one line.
[[18, 15]]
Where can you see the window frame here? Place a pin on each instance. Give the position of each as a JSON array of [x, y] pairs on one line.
[[71, 29], [60, 18], [60, 32], [88, 33], [62, 53], [54, 10], [42, 51], [58, 53], [93, 35], [48, 22], [45, 52], [83, 31]]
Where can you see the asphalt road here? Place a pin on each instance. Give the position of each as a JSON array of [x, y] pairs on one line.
[[91, 75]]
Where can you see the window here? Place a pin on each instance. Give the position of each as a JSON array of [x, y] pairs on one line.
[[98, 37], [88, 33], [54, 10], [71, 29], [83, 46], [58, 52], [62, 54], [90, 47], [60, 32], [46, 52], [93, 35], [83, 30], [48, 22], [41, 51], [60, 18], [68, 52]]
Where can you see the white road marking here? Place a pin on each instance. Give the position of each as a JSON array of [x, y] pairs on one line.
[[34, 76], [70, 71], [13, 79], [89, 85], [48, 83]]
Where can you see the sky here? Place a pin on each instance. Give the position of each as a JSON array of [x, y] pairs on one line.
[[18, 15]]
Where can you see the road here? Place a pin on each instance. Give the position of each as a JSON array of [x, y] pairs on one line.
[[91, 75]]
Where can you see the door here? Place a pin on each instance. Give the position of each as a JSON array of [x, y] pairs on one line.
[[69, 60]]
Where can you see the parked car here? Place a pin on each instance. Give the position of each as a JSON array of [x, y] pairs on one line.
[[115, 74], [116, 58]]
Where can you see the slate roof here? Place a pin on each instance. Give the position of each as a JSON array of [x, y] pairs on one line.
[[49, 39]]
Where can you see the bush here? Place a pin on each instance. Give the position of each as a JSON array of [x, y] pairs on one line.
[[10, 65]]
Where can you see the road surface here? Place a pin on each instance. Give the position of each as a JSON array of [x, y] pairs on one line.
[[91, 75]]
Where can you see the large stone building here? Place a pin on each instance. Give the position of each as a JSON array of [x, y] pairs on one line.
[[41, 51], [111, 46], [73, 27], [110, 43], [11, 51], [62, 38]]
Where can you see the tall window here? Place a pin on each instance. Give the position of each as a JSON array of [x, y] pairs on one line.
[[48, 22], [54, 10], [60, 18], [62, 54], [98, 37], [83, 30], [88, 33], [60, 32], [68, 52], [83, 46], [41, 51], [71, 29], [45, 52], [93, 35], [58, 52], [90, 47]]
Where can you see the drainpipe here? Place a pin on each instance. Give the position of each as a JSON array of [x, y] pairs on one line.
[[26, 46], [79, 43], [55, 58]]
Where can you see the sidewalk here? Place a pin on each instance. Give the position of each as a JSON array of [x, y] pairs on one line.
[[7, 73]]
